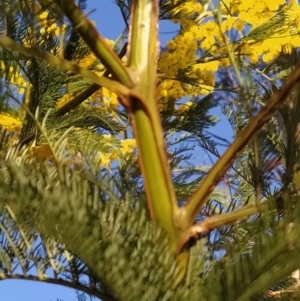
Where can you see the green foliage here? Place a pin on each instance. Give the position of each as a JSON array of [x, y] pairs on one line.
[[87, 230], [112, 236], [90, 227]]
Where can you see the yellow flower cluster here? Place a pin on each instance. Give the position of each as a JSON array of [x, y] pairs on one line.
[[63, 100], [232, 22], [9, 123], [87, 60], [171, 89], [188, 7], [184, 107], [42, 152], [171, 62], [50, 26], [181, 53], [281, 37], [255, 12], [103, 99], [207, 36], [105, 159], [15, 77], [110, 99], [128, 146]]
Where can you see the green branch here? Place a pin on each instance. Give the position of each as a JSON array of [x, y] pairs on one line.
[[146, 121], [96, 42], [194, 205], [56, 61]]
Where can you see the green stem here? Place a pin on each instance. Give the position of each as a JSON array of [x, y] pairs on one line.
[[143, 53], [96, 42], [161, 198], [112, 85]]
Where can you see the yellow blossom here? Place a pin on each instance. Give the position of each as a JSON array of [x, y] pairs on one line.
[[224, 63], [43, 152], [113, 155], [43, 18], [87, 60], [128, 146], [228, 24], [171, 45], [239, 25], [63, 100], [102, 159], [9, 123], [43, 15], [21, 91], [182, 108], [210, 66], [162, 92], [107, 136]]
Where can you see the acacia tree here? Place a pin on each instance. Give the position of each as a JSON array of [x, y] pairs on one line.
[[136, 228]]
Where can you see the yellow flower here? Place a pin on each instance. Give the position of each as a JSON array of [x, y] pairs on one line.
[[162, 92], [246, 49], [9, 123], [228, 24], [20, 81], [60, 29], [208, 43], [109, 42], [295, 41], [224, 63], [127, 146], [171, 45], [102, 159], [87, 61], [105, 160], [113, 101], [21, 91], [62, 101], [113, 155], [239, 25], [210, 66], [270, 56], [107, 136], [43, 15], [42, 152], [182, 108]]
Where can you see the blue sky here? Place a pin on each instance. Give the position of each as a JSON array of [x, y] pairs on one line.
[[110, 24]]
